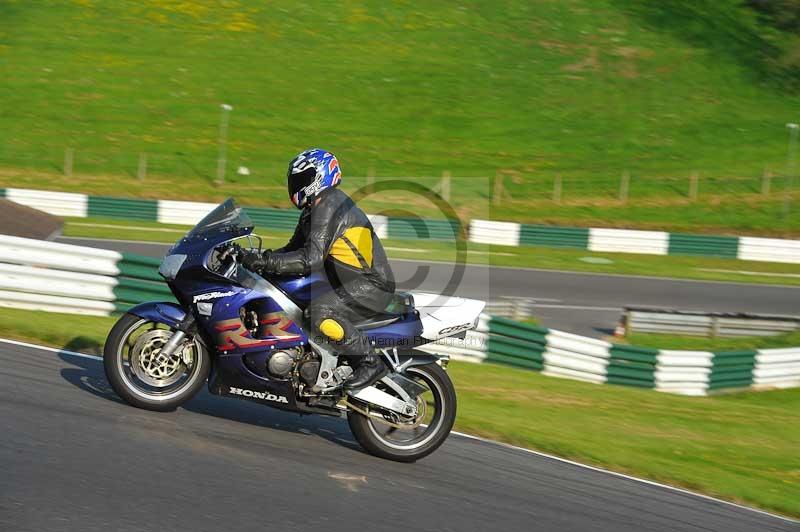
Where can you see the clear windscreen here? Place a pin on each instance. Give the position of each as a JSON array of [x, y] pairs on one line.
[[228, 216]]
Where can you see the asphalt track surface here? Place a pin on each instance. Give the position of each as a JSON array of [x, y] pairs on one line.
[[583, 303], [74, 457]]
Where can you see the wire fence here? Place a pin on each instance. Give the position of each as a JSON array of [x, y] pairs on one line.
[[553, 185]]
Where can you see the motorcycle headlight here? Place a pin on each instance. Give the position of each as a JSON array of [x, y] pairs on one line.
[[170, 266]]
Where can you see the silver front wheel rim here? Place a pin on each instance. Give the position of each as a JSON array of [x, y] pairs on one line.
[[149, 375]]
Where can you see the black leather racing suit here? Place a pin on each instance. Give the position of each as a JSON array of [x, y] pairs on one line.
[[335, 235]]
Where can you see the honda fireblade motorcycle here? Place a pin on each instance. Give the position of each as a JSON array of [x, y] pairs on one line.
[[246, 336]]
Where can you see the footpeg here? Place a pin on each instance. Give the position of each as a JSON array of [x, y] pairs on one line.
[[337, 377], [342, 373]]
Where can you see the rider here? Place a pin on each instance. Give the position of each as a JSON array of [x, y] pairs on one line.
[[334, 235]]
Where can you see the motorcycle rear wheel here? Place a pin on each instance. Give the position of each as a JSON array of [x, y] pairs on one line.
[[410, 440], [140, 378]]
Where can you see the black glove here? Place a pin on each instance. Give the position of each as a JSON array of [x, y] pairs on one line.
[[254, 261]]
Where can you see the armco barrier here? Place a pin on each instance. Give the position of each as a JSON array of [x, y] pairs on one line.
[[710, 324], [481, 231]]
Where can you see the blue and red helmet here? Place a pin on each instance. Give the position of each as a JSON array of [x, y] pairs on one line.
[[310, 173]]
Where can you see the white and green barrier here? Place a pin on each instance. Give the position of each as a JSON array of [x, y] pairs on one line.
[[480, 231], [54, 277], [560, 354], [190, 212], [634, 241]]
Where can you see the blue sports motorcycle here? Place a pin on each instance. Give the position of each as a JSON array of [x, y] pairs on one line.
[[245, 336]]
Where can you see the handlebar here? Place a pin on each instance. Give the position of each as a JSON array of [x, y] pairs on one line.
[[231, 252]]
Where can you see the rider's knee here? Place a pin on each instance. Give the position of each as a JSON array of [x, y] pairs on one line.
[[332, 329]]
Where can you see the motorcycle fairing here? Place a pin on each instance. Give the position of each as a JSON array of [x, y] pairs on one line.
[[444, 316], [230, 374], [167, 313], [303, 290]]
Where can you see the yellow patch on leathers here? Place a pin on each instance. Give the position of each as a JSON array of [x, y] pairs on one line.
[[331, 329], [361, 239]]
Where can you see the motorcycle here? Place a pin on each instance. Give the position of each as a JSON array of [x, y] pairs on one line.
[[245, 335]]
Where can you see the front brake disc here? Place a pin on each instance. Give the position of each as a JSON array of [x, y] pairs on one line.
[[145, 363]]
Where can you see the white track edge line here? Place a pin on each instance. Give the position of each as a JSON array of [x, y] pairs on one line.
[[493, 442], [50, 349]]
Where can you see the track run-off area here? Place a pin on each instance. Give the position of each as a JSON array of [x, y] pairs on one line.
[[75, 457]]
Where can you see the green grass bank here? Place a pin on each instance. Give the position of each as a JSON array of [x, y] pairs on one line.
[[584, 90]]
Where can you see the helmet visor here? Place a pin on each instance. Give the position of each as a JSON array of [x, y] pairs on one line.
[[298, 181]]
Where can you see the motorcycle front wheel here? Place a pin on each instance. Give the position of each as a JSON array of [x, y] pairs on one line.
[[143, 378], [401, 439]]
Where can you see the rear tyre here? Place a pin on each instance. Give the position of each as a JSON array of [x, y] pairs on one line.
[[142, 378], [408, 440]]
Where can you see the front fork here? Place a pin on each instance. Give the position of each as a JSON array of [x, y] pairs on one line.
[[184, 328]]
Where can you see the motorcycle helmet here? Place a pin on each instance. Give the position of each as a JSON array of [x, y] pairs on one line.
[[311, 172]]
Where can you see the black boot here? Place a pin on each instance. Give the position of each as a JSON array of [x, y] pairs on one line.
[[368, 370]]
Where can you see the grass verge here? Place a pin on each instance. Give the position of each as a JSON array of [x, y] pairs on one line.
[[698, 268], [669, 341], [80, 333], [741, 447]]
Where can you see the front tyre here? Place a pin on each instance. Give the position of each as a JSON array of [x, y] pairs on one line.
[[407, 440], [146, 380]]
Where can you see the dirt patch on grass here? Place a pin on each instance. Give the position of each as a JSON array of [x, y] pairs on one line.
[[590, 63]]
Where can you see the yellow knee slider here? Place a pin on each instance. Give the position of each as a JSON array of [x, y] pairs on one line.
[[331, 329]]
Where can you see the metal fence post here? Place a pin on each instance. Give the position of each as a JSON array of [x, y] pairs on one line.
[[766, 182], [790, 167], [714, 326], [370, 180], [693, 185], [445, 188], [223, 142], [624, 184], [68, 156], [557, 187], [497, 196], [142, 171]]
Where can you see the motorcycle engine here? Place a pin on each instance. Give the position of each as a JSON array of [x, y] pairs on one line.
[[308, 369], [280, 364]]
